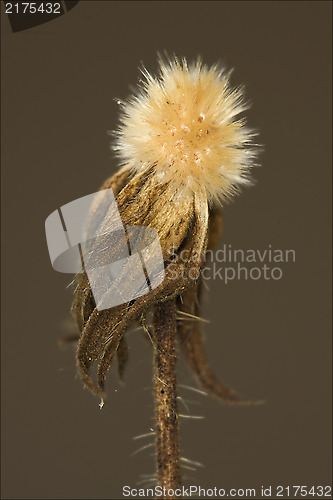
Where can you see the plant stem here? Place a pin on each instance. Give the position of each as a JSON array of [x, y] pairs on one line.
[[164, 323]]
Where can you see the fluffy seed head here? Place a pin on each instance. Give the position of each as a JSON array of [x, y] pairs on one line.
[[185, 124]]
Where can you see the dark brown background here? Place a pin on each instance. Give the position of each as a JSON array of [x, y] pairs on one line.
[[268, 339]]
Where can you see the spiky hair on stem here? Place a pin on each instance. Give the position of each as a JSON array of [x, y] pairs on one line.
[[185, 124]]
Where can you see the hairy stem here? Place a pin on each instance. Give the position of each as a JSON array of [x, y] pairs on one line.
[[164, 323]]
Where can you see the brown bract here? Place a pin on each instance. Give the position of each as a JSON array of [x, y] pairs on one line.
[[187, 226]]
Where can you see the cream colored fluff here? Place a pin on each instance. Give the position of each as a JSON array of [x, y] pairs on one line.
[[185, 123]]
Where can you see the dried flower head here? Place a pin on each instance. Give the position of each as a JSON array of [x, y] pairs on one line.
[[183, 150]]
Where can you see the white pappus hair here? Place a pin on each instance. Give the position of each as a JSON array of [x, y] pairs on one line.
[[185, 123]]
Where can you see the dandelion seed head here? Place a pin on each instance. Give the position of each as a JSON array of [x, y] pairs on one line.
[[185, 123]]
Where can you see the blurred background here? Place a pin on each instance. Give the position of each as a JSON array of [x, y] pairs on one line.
[[268, 339]]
